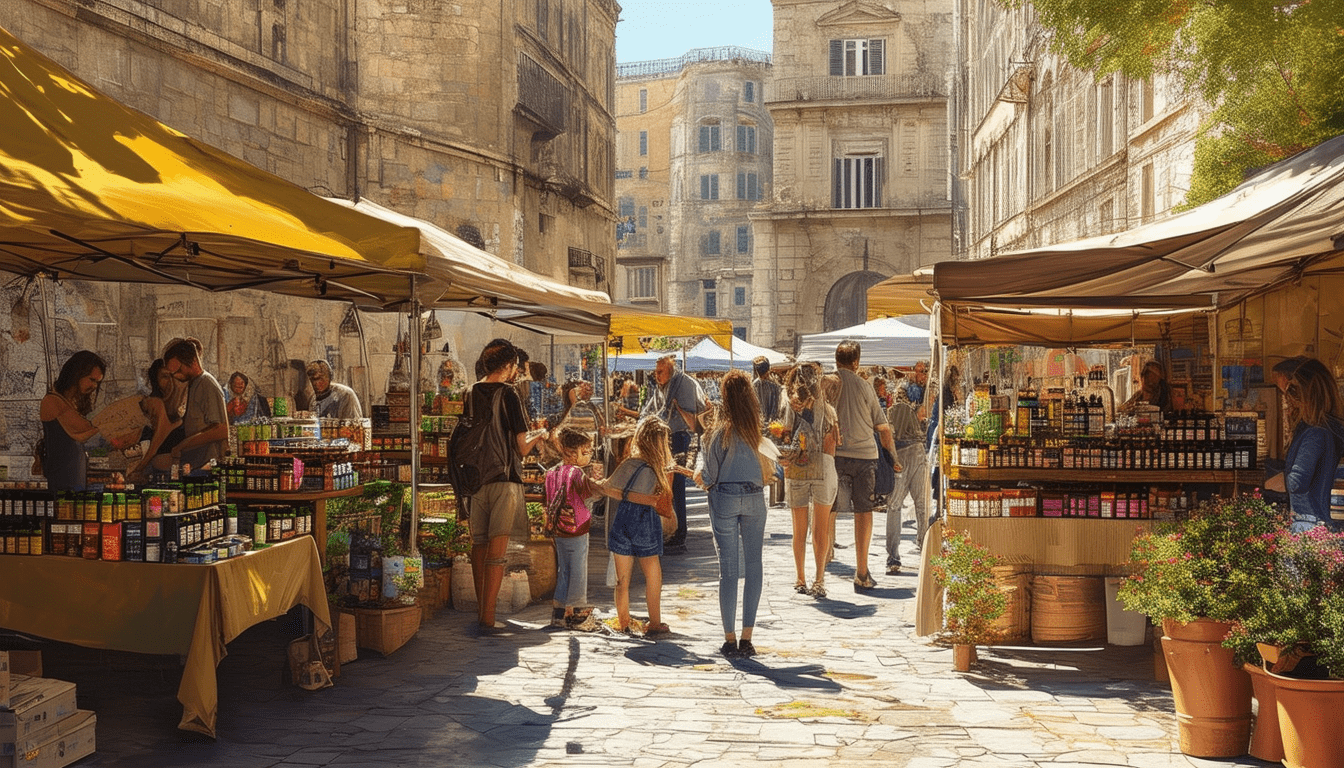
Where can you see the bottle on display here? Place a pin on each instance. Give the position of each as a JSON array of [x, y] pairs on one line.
[[259, 528]]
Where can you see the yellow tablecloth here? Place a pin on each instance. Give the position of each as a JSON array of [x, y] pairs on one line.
[[189, 610]]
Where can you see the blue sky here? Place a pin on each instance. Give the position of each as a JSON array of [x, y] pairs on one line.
[[664, 29]]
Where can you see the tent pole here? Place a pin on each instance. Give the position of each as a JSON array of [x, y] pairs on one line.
[[413, 545]]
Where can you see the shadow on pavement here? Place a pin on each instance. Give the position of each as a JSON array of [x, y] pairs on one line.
[[806, 676], [841, 610]]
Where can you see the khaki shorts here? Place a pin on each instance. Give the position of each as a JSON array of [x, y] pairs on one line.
[[801, 493], [494, 509]]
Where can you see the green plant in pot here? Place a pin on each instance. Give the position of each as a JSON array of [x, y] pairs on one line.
[[1297, 628], [1197, 576], [972, 598], [1208, 564], [441, 541]]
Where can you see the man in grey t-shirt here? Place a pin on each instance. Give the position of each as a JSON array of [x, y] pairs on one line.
[[856, 458], [678, 400], [334, 401], [206, 420]]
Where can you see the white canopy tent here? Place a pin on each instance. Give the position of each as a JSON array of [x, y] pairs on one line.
[[892, 341], [704, 356]]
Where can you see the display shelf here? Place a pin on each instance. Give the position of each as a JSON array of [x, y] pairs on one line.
[[319, 499], [1102, 475]]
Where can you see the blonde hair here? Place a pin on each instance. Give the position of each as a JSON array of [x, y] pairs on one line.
[[1313, 394], [651, 445]]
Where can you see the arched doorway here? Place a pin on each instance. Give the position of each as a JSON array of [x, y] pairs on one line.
[[847, 302]]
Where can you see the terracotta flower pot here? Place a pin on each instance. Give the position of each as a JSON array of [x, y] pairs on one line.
[[1212, 695], [963, 656], [1311, 719], [1266, 741]]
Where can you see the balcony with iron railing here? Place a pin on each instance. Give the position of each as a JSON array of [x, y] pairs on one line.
[[923, 85], [580, 260], [639, 70]]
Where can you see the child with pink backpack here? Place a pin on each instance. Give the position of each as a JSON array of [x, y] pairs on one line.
[[568, 518]]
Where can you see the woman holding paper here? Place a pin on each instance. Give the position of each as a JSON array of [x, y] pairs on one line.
[[65, 425]]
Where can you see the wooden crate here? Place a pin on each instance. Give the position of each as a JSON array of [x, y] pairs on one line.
[[386, 629]]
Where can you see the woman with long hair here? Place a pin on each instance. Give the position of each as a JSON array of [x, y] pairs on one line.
[[642, 485], [65, 425], [165, 429], [810, 482], [1317, 415], [731, 469]]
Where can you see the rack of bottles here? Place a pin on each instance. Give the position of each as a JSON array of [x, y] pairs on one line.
[[175, 522]]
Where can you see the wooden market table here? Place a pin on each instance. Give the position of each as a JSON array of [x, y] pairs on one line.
[[160, 608], [318, 498]]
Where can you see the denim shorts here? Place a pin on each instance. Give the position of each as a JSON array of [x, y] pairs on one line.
[[635, 531]]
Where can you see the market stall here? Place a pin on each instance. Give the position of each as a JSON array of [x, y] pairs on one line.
[[191, 611], [890, 341], [1202, 291]]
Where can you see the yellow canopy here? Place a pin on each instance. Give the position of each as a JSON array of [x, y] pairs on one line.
[[629, 323], [902, 295], [93, 190]]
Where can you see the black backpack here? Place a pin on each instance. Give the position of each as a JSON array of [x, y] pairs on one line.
[[477, 451]]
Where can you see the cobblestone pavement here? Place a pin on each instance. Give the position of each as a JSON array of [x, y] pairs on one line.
[[838, 682]]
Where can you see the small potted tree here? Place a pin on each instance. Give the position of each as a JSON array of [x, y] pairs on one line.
[[1197, 576], [972, 599]]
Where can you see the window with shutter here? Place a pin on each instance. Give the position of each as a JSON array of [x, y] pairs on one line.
[[643, 143], [746, 139], [837, 57], [749, 92], [857, 182], [711, 304], [743, 240], [855, 58], [876, 57], [643, 100], [740, 299], [710, 139], [712, 244]]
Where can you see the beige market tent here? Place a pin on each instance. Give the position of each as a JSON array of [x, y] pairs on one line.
[[461, 276], [93, 190], [1284, 224]]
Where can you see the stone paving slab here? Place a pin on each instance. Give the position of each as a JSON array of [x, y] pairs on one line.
[[838, 682]]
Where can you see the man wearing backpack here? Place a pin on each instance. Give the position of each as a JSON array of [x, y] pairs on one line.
[[497, 503], [856, 459], [678, 400]]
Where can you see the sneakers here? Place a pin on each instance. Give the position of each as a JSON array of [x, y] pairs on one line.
[[729, 649], [894, 569], [745, 648]]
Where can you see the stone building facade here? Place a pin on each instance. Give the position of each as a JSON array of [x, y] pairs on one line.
[[861, 192], [1049, 153], [490, 119], [693, 160]]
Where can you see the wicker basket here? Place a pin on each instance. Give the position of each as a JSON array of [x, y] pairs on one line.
[[386, 629]]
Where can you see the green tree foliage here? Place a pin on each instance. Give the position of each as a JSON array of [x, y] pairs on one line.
[[1272, 70]]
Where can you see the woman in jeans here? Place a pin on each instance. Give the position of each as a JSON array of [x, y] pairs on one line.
[[731, 470]]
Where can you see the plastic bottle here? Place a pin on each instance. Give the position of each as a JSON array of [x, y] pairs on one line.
[[259, 528]]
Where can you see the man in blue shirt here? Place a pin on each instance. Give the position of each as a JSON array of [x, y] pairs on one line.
[[678, 400]]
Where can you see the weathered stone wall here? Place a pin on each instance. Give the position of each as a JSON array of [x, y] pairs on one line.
[[805, 244], [1051, 154], [412, 104]]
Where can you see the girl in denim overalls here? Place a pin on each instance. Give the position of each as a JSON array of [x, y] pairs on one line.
[[640, 483]]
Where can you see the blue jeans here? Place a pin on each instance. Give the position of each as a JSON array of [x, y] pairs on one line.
[[571, 570], [681, 441], [737, 514]]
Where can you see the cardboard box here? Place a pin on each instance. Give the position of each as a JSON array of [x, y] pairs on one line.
[[27, 663], [58, 745], [35, 703]]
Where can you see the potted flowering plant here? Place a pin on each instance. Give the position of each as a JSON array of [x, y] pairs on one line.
[[973, 601], [1297, 628], [1197, 576]]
